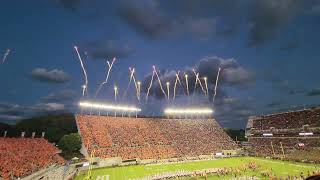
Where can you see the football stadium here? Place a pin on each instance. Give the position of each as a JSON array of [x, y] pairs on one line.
[[283, 145], [159, 90]]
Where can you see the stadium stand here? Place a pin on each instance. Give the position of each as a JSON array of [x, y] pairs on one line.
[[148, 138], [20, 157], [278, 135]]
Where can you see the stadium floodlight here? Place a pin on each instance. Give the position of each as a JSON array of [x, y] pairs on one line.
[[182, 111], [109, 107]]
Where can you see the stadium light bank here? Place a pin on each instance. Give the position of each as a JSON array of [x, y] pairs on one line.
[[189, 111], [109, 107]]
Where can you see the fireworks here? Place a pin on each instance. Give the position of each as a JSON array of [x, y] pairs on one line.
[[111, 107], [148, 91], [139, 90], [5, 55], [168, 90], [85, 86], [154, 68], [109, 68], [184, 111], [135, 83], [187, 83], [115, 88], [131, 75], [107, 78], [198, 80], [215, 87], [175, 84], [206, 85]]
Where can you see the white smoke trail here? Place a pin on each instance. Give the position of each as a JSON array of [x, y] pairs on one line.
[[137, 89], [107, 77], [154, 68], [175, 84], [150, 85], [206, 85], [5, 55], [198, 80], [85, 86], [110, 67], [215, 88], [187, 83], [131, 75], [168, 90], [115, 93]]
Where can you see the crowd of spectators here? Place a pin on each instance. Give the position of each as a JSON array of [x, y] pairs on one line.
[[262, 146], [20, 157], [279, 135], [288, 120], [147, 138]]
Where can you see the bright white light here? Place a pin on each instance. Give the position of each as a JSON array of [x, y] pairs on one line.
[[306, 134], [109, 107], [267, 134], [188, 111]]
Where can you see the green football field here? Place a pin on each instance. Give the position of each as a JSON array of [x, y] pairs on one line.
[[277, 167]]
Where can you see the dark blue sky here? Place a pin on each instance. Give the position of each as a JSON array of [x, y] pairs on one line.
[[268, 51]]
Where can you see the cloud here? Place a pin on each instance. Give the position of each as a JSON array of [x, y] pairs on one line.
[[233, 114], [61, 96], [145, 17], [296, 91], [150, 19], [237, 75], [11, 109], [315, 9], [203, 19], [314, 92], [15, 112], [289, 46], [108, 50], [232, 74], [268, 17], [50, 76], [202, 28], [71, 5], [47, 107], [10, 117]]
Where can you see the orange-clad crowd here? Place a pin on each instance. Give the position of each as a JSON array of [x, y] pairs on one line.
[[148, 138], [23, 156]]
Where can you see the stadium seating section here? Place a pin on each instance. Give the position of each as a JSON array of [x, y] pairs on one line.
[[288, 120], [23, 156], [148, 138], [278, 134]]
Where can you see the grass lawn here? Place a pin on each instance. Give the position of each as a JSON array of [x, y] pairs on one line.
[[279, 168]]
